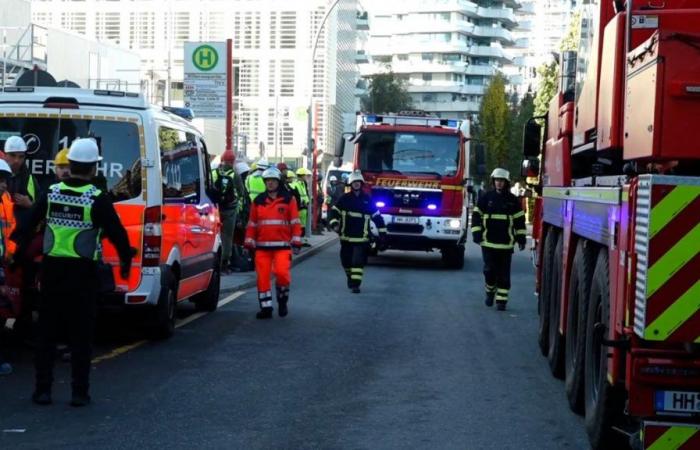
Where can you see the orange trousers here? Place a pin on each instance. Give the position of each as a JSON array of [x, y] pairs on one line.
[[268, 262]]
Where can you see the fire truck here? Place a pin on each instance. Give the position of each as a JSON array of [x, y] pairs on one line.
[[416, 167], [617, 224]]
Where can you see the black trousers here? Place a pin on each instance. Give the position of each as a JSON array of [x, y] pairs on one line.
[[66, 314], [353, 257], [497, 272]]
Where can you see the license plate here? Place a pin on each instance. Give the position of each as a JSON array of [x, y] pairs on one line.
[[405, 219], [678, 401]]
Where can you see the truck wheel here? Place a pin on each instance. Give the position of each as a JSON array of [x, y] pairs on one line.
[[550, 242], [209, 299], [163, 325], [453, 257], [576, 316], [602, 401], [555, 354]]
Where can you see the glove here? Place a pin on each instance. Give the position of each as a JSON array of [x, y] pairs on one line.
[[521, 246], [296, 250], [125, 266]]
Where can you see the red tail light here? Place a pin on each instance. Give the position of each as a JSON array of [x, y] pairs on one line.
[[152, 236]]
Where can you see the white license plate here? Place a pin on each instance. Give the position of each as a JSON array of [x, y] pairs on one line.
[[405, 219], [678, 401]]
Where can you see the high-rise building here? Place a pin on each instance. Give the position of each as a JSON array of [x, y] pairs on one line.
[[445, 50], [272, 45]]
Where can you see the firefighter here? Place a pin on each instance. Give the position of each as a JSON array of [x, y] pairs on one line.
[[303, 189], [272, 229], [498, 223], [350, 218], [22, 186], [76, 214], [224, 184], [254, 183]]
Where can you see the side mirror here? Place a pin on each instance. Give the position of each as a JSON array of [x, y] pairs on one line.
[[340, 147], [532, 139], [530, 168]]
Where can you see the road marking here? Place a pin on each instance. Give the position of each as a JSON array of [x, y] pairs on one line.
[[127, 348]]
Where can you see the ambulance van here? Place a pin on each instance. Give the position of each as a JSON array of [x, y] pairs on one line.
[[156, 169]]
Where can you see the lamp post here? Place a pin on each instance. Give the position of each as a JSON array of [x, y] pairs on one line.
[[311, 145]]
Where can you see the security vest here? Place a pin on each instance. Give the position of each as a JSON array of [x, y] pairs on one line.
[[70, 232], [498, 221], [255, 185], [353, 213], [300, 187]]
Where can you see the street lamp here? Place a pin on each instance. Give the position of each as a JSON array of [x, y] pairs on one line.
[[311, 145]]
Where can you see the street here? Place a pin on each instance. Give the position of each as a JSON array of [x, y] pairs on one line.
[[415, 361]]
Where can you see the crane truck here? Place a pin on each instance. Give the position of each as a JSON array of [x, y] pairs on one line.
[[616, 228]]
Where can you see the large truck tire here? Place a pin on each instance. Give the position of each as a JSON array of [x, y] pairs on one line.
[[602, 400], [543, 297], [209, 299], [453, 257], [163, 320], [555, 349], [576, 317]]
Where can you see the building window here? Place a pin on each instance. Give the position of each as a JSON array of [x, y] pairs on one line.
[[288, 29], [428, 98], [427, 77], [287, 78]]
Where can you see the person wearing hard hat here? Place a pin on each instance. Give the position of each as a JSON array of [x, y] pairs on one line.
[[224, 184], [350, 218], [5, 174], [77, 214], [498, 224], [61, 167], [22, 186], [303, 190], [273, 229], [254, 183]]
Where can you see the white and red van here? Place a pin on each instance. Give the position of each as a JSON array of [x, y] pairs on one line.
[[156, 168]]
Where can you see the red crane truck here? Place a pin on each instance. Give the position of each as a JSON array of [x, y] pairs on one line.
[[617, 224], [416, 168]]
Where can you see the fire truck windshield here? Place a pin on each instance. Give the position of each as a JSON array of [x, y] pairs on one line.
[[409, 153]]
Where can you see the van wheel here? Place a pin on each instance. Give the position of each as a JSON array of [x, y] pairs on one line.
[[453, 257], [575, 347], [209, 299], [163, 325], [550, 242], [603, 401], [555, 353]]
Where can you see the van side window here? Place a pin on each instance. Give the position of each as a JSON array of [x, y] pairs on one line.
[[180, 166], [206, 166]]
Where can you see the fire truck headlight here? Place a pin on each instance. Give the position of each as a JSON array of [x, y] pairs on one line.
[[432, 207], [380, 204], [453, 224]]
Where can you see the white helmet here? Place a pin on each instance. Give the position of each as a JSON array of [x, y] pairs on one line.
[[4, 167], [355, 176], [241, 168], [272, 172], [333, 178], [84, 151], [15, 144], [500, 173], [262, 164]]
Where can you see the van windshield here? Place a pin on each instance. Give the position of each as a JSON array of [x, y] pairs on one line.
[[120, 170]]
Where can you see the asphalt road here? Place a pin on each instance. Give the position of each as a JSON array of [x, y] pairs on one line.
[[415, 361]]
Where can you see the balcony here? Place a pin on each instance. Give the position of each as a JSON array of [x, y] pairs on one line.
[[362, 22], [494, 33], [445, 87], [428, 66], [524, 25], [448, 106], [505, 15], [361, 57]]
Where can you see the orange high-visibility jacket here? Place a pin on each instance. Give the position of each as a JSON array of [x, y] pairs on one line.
[[7, 225], [273, 223]]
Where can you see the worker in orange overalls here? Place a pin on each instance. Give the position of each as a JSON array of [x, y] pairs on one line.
[[273, 231]]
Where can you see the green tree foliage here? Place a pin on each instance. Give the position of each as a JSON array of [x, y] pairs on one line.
[[494, 124], [387, 93], [521, 112], [571, 39]]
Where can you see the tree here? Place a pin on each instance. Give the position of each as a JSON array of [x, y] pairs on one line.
[[494, 124], [387, 93], [521, 112], [548, 75]]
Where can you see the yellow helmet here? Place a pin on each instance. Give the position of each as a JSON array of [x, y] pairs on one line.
[[291, 174], [302, 171], [61, 158]]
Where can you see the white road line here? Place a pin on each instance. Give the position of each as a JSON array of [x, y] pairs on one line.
[[199, 315]]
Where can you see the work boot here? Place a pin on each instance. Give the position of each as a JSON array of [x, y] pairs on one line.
[[265, 313], [489, 299], [356, 290], [42, 397], [500, 305], [80, 399], [282, 309]]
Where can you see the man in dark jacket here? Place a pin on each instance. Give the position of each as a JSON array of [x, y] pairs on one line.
[[77, 214], [498, 223], [350, 218], [22, 186]]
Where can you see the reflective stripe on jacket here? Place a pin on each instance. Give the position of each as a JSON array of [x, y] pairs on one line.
[[498, 221], [273, 223], [353, 213]]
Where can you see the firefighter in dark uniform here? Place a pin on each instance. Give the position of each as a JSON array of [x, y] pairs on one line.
[[498, 223], [77, 213], [350, 218]]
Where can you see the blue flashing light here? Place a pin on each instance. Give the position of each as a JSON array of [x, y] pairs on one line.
[[432, 207], [380, 204], [371, 119], [452, 123]]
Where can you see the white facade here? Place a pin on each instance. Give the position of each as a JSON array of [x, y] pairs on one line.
[[272, 45], [446, 50]]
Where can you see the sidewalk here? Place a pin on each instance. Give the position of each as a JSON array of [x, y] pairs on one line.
[[237, 281]]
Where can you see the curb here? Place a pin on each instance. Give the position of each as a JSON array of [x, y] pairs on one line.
[[296, 260]]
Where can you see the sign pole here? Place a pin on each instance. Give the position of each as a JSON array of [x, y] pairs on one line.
[[229, 94]]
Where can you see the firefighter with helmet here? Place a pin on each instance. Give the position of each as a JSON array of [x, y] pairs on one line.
[[77, 214], [350, 218], [498, 224], [273, 231]]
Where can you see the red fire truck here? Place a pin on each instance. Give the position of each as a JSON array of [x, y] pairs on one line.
[[416, 167], [617, 224]]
